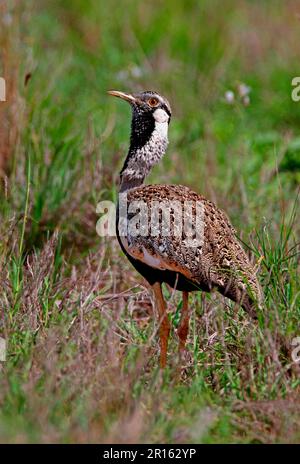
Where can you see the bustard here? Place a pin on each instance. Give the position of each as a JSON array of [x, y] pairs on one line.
[[216, 262]]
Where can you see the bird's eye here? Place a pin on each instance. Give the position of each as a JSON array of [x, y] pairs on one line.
[[153, 101]]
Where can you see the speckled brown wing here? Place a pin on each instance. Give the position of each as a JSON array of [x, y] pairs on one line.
[[218, 261]]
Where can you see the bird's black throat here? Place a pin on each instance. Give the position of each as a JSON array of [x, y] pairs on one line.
[[137, 163], [142, 127]]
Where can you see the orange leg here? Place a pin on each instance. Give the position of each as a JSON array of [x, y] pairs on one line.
[[183, 328], [164, 327]]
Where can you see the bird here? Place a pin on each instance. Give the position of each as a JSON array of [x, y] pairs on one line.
[[204, 256]]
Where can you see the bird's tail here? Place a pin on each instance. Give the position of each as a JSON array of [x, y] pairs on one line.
[[248, 295]]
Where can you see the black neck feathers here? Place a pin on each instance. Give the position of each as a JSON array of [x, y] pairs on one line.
[[148, 143]]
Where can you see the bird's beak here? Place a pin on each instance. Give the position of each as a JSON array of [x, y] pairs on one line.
[[125, 96]]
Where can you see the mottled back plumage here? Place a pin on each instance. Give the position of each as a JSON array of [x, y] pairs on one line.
[[219, 263]]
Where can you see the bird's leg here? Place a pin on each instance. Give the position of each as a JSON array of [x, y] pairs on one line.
[[164, 327], [183, 328]]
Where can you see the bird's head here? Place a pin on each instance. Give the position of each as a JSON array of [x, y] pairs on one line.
[[151, 114], [146, 105]]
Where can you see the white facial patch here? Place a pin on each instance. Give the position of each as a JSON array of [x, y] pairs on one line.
[[161, 116], [161, 123]]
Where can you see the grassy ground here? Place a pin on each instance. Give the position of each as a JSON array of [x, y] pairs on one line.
[[82, 347]]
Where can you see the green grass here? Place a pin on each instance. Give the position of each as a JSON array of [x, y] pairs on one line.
[[82, 347]]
